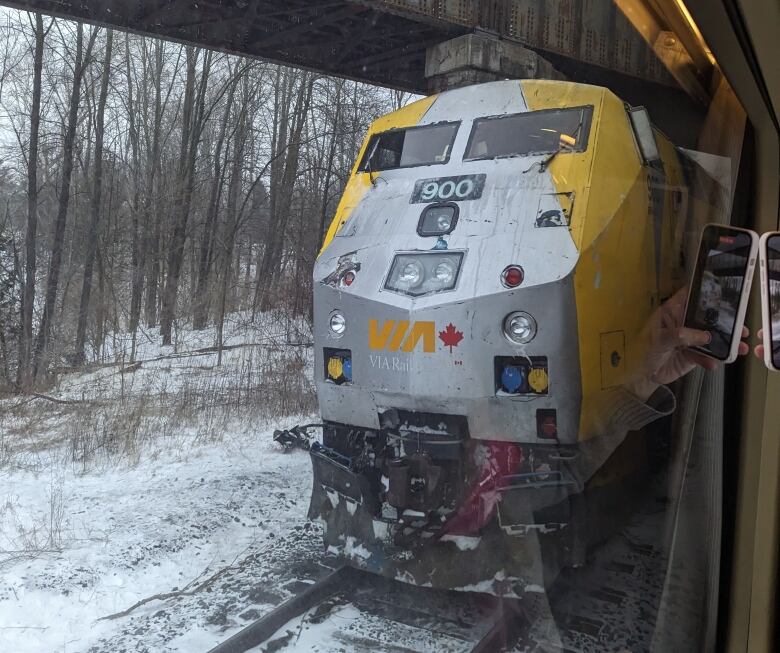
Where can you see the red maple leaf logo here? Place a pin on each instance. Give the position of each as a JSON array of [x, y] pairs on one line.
[[451, 336]]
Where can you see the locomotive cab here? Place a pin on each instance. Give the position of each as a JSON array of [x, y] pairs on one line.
[[478, 303]]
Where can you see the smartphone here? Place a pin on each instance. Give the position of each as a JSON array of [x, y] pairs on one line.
[[717, 299], [769, 257]]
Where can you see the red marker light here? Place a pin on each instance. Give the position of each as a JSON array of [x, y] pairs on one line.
[[512, 276], [348, 278], [547, 423]]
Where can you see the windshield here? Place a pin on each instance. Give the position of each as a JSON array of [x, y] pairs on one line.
[[417, 146], [535, 132]]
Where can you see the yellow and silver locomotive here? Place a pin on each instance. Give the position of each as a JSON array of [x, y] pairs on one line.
[[496, 252]]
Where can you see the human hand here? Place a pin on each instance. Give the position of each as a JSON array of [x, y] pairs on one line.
[[667, 355], [759, 349]]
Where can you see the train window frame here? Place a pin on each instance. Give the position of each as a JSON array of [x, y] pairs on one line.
[[368, 152], [587, 110]]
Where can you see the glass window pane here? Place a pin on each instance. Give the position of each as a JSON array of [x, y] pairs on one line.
[[536, 132], [271, 317], [403, 148]]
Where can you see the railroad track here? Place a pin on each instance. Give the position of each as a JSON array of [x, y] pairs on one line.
[[452, 621], [610, 604]]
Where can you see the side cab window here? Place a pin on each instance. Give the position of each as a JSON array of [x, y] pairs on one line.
[[645, 136]]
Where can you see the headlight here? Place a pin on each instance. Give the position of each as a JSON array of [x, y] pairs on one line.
[[444, 221], [338, 324], [438, 220], [412, 274], [424, 273], [519, 327], [445, 272]]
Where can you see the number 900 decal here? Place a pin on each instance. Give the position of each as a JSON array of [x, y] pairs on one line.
[[440, 189]]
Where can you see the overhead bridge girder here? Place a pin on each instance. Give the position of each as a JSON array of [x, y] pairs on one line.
[[385, 41], [338, 37]]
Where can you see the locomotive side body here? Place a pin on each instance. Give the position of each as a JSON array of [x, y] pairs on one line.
[[474, 305]]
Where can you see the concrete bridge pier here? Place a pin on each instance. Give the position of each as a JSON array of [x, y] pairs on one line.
[[482, 57]]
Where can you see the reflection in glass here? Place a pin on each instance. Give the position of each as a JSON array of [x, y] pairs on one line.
[[717, 287], [773, 273], [512, 422], [535, 132]]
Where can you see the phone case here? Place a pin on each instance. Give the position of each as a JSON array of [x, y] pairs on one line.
[[743, 299], [766, 314]]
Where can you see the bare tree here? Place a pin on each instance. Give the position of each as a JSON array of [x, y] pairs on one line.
[[193, 111], [206, 257], [162, 185], [150, 251], [24, 375], [81, 62], [286, 149], [97, 195]]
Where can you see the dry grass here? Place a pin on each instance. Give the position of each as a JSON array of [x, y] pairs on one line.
[[112, 415], [30, 538]]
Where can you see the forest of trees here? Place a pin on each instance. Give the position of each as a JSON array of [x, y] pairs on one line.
[[146, 185]]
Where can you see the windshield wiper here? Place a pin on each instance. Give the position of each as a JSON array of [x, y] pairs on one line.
[[368, 162], [544, 163]]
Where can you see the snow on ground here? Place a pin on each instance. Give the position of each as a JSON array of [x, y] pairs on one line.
[[273, 327], [122, 483], [129, 534]]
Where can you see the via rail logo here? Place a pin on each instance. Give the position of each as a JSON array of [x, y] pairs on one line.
[[405, 336]]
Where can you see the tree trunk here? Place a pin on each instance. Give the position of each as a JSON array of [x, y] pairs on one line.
[[334, 140], [191, 120], [24, 372], [283, 174], [206, 255], [233, 217], [152, 221], [97, 194], [136, 251], [55, 266]]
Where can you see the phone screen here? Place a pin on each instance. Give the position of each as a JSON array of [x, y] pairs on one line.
[[773, 277], [717, 285]]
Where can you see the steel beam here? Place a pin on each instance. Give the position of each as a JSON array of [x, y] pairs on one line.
[[308, 33]]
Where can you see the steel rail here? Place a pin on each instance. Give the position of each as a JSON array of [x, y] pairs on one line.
[[266, 626], [501, 634]]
